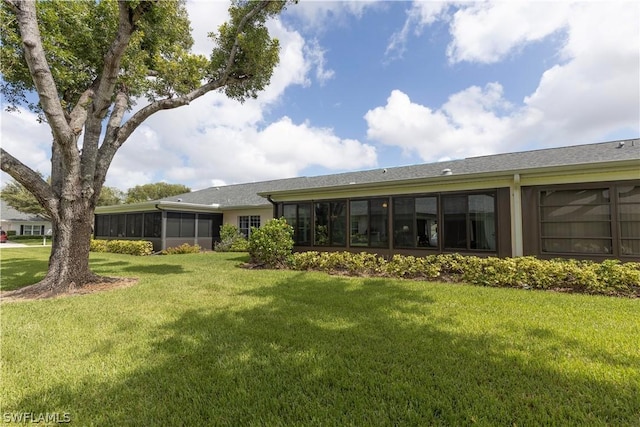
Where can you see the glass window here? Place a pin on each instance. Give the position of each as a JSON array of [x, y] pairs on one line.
[[576, 221], [482, 222], [247, 222], [134, 225], [254, 221], [469, 222], [243, 225], [338, 223], [188, 225], [32, 230], [120, 225], [117, 226], [181, 224], [359, 219], [322, 222], [427, 222], [629, 219], [205, 225], [369, 221], [102, 225], [299, 217], [404, 235], [379, 220], [173, 224], [153, 224], [302, 234], [455, 222]]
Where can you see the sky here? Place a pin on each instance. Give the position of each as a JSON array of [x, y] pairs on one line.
[[373, 84]]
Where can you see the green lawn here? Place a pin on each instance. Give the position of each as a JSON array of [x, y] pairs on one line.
[[200, 341]]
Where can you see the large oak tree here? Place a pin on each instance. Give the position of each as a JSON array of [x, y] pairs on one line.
[[88, 62]]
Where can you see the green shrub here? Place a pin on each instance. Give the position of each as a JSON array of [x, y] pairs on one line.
[[271, 245], [609, 277], [98, 245], [410, 267], [17, 238], [184, 248], [127, 247], [231, 240]]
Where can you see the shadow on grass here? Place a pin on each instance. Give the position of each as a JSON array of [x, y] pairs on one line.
[[339, 352], [20, 272], [106, 266], [161, 269]]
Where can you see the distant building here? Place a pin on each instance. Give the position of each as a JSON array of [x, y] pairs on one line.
[[580, 201], [21, 223]]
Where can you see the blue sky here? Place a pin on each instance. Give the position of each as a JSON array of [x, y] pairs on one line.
[[367, 84]]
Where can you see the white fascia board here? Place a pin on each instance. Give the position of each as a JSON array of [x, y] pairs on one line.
[[158, 206], [619, 169]]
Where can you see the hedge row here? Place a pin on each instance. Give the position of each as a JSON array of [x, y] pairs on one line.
[[128, 247], [609, 277], [184, 248], [20, 238]]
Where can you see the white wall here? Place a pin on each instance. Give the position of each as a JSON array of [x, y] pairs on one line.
[[231, 216]]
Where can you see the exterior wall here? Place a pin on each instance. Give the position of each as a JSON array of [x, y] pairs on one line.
[[265, 213], [19, 226]]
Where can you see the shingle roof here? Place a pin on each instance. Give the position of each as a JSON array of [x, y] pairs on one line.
[[589, 154], [7, 213]]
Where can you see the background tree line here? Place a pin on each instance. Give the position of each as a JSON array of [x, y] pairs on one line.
[[21, 199]]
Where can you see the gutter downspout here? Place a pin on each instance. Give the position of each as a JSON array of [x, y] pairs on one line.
[[275, 206], [517, 245]]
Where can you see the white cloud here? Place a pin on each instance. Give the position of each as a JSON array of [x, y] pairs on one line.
[[420, 14], [592, 91], [317, 16], [316, 53], [486, 32], [206, 16], [205, 149], [466, 125], [597, 89], [26, 140]]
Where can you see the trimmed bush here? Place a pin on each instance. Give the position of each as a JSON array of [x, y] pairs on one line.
[[609, 277], [127, 247], [231, 240], [184, 248], [23, 237], [98, 246], [272, 244]]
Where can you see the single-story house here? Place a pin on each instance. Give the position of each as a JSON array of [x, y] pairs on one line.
[[23, 224], [579, 201]]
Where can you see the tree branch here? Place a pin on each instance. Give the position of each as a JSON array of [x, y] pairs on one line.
[[112, 59], [109, 146], [78, 115], [39, 69], [166, 104], [29, 179], [243, 23]]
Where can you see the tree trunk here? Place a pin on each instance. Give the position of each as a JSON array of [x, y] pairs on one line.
[[69, 260]]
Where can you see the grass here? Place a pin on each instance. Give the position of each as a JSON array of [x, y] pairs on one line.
[[200, 341]]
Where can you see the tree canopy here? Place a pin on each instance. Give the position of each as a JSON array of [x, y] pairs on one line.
[[158, 190], [89, 62]]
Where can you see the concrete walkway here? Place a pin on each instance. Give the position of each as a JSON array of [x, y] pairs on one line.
[[10, 244]]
